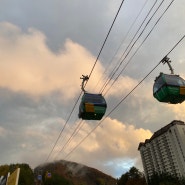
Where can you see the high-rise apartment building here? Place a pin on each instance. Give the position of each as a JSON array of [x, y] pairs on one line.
[[165, 150]]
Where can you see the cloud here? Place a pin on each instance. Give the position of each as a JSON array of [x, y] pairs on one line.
[[122, 86], [178, 111], [38, 86], [3, 132], [27, 64], [63, 19], [31, 140], [110, 144]]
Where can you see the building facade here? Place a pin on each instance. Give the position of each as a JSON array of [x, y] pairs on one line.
[[165, 150]]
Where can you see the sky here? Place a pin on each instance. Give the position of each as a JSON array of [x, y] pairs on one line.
[[46, 46]]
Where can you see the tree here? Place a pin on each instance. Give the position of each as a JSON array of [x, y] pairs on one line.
[[165, 179], [123, 180], [100, 181], [132, 177], [4, 170], [26, 174], [56, 180], [134, 173]]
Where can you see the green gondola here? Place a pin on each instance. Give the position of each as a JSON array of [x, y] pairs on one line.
[[169, 88], [92, 107]]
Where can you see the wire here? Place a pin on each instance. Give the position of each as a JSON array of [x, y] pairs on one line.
[[175, 45], [123, 40], [112, 58], [123, 99], [63, 129], [121, 60], [106, 37], [143, 40], [70, 138], [139, 46], [85, 84], [80, 95]]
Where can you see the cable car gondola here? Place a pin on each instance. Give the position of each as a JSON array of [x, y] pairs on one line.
[[169, 88], [92, 106]]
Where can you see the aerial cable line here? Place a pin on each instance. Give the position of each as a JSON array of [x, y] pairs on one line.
[[104, 44], [109, 64], [143, 28], [142, 42], [112, 57], [139, 47], [122, 60], [62, 129], [85, 84], [123, 40], [101, 50], [175, 46], [76, 130], [123, 99], [106, 37], [130, 92], [81, 92], [65, 138], [116, 68]]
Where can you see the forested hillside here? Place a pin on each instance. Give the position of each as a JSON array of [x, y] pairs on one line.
[[71, 173]]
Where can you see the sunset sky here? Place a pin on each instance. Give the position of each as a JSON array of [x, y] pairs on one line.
[[46, 46]]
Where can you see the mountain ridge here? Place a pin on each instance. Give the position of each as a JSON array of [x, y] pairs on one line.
[[76, 173]]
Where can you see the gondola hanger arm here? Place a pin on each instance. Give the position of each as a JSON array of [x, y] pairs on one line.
[[84, 78], [168, 61]]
